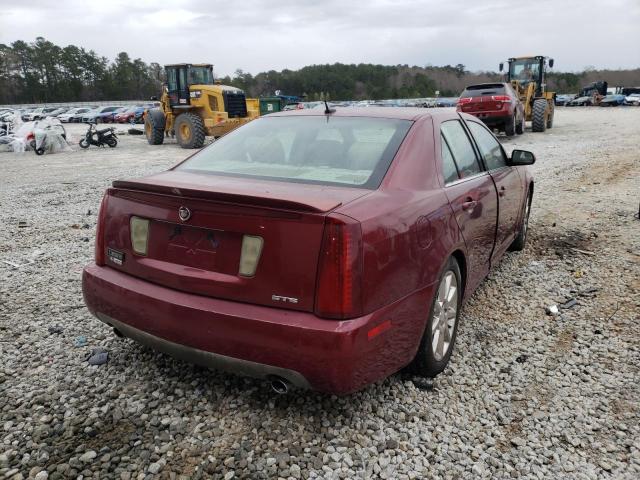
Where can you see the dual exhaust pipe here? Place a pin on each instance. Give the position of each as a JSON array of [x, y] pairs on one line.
[[279, 385]]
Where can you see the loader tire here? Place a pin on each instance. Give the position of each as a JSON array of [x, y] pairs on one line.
[[189, 130], [154, 122], [538, 121]]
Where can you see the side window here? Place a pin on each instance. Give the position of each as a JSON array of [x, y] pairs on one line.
[[461, 148], [449, 169], [172, 81], [488, 145]]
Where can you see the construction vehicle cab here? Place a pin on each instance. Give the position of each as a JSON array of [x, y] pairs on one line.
[[193, 106], [527, 76]]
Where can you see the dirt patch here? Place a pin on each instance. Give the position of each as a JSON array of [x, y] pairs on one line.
[[545, 242]]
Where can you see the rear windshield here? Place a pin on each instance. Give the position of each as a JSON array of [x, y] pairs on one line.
[[349, 151], [483, 89]]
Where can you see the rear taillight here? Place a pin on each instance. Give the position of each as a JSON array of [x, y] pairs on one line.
[[339, 291], [501, 98], [100, 257], [462, 101]]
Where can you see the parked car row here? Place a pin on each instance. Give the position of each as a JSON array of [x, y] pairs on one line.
[[611, 100], [90, 113]]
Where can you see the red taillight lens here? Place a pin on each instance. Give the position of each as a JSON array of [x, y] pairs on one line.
[[462, 101], [100, 258], [501, 98], [339, 292]]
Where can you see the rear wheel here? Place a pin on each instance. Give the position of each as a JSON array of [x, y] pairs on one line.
[[189, 130], [112, 142], [520, 126], [154, 122], [510, 126], [441, 329], [539, 120]]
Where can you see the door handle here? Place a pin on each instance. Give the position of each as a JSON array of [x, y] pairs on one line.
[[469, 204]]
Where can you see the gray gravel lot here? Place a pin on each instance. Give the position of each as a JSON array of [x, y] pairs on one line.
[[527, 395]]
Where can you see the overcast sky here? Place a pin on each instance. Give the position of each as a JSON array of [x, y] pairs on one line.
[[256, 35]]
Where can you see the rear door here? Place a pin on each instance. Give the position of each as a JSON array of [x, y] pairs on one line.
[[473, 198], [507, 181]]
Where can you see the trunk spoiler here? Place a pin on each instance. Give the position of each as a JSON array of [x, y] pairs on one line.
[[245, 193]]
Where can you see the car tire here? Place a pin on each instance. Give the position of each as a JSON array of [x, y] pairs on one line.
[[520, 126], [189, 130], [539, 120], [510, 126], [154, 123], [433, 355], [520, 241]]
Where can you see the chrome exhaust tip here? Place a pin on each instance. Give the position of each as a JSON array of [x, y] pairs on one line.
[[279, 385]]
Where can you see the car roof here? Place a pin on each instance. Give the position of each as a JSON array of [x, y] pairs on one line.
[[400, 113]]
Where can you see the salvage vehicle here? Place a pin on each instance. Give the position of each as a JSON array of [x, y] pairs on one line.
[[580, 102], [496, 104], [562, 99], [38, 114], [614, 100], [633, 99], [133, 114], [325, 250], [193, 106], [73, 115], [527, 76], [96, 114]]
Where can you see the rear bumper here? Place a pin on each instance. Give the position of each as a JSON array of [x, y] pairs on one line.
[[493, 118], [327, 355]]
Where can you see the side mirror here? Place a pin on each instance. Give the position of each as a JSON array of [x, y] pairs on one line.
[[551, 63], [522, 157], [501, 66]]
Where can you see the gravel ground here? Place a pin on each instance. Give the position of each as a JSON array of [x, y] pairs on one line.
[[527, 395]]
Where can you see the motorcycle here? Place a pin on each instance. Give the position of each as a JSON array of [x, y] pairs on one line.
[[99, 138]]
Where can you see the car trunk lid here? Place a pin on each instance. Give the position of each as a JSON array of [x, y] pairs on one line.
[[201, 252]]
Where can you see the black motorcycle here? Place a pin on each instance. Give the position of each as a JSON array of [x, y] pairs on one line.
[[99, 138]]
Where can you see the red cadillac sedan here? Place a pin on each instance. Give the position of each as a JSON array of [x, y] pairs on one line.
[[319, 250]]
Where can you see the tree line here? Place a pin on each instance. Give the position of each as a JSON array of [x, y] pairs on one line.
[[40, 72]]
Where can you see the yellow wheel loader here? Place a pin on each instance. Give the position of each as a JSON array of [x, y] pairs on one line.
[[527, 76], [193, 106]]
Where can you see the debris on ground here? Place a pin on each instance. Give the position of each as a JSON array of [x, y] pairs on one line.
[[57, 329], [552, 310], [135, 131], [589, 292], [569, 303], [80, 341], [98, 356], [522, 358]]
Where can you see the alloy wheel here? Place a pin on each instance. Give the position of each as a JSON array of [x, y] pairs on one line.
[[445, 313]]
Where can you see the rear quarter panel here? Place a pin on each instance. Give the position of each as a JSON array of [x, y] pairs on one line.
[[408, 233]]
